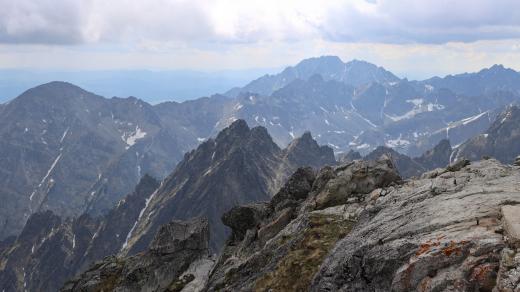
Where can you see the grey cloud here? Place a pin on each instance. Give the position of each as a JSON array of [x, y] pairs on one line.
[[195, 21], [427, 21]]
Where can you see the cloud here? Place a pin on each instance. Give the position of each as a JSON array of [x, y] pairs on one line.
[[151, 23]]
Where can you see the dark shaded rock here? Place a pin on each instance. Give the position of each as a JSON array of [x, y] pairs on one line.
[[296, 188], [351, 155], [174, 249], [305, 151], [242, 218], [405, 165], [437, 157], [176, 236]]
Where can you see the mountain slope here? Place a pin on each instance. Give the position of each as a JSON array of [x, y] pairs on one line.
[[50, 249], [500, 141], [240, 165], [67, 150]]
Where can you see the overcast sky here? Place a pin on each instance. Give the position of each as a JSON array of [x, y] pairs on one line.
[[413, 38]]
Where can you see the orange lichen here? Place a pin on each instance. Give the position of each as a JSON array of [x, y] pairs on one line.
[[453, 248]]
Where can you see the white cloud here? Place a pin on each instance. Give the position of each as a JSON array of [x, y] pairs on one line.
[[239, 21]]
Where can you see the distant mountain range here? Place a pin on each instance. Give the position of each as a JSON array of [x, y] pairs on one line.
[[70, 151]]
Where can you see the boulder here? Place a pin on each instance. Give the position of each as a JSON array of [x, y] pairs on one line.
[[181, 235], [242, 218], [511, 223], [355, 179]]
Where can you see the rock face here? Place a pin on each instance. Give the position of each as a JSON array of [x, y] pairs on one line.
[[51, 250], [500, 141], [241, 165], [279, 245], [174, 248], [440, 233]]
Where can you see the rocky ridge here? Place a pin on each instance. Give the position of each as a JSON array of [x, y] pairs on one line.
[[358, 227]]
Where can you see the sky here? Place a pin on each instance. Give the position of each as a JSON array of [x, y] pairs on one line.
[[412, 38]]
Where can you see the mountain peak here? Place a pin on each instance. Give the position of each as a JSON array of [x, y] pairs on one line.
[[306, 151], [237, 128]]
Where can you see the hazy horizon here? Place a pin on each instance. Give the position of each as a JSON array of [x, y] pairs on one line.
[[416, 39]]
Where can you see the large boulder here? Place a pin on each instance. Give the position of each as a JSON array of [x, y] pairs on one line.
[[355, 179]]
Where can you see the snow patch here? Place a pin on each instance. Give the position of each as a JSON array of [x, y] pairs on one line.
[[64, 135], [131, 138], [396, 143], [147, 202]]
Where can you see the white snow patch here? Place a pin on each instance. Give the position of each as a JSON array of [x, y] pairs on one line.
[[399, 142], [74, 241], [363, 146], [64, 135], [147, 202], [131, 138], [50, 169], [32, 195], [327, 122], [200, 139], [324, 110], [428, 87], [419, 107]]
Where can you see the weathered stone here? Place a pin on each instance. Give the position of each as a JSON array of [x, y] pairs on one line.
[[296, 188], [181, 235], [356, 178], [271, 229], [415, 240], [511, 223], [458, 165]]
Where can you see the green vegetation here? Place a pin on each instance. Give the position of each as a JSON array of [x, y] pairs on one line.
[[295, 271]]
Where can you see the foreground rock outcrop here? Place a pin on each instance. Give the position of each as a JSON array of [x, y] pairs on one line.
[[279, 245], [443, 232], [359, 227], [174, 249]]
